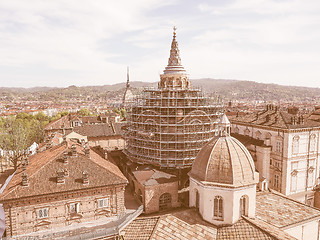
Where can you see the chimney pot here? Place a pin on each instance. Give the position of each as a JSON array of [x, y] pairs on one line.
[[60, 176], [25, 181], [85, 178], [65, 157], [87, 151], [66, 172], [73, 150]]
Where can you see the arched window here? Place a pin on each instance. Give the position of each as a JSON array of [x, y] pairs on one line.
[[295, 145], [243, 205], [218, 207], [165, 201], [313, 143]]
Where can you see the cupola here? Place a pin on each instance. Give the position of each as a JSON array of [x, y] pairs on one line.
[[223, 179]]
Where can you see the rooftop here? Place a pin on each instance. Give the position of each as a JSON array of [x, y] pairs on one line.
[[188, 224], [282, 211], [224, 160], [42, 173], [273, 117]]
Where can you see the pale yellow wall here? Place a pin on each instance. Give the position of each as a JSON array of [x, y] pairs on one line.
[[305, 231]]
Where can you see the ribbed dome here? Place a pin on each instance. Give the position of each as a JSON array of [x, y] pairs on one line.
[[224, 160]]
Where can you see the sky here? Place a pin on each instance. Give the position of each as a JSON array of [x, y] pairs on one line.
[[91, 42]]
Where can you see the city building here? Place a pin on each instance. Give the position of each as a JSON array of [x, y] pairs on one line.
[[167, 126], [285, 148], [225, 204], [64, 185]]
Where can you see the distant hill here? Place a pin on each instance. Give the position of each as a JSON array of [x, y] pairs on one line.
[[227, 89]]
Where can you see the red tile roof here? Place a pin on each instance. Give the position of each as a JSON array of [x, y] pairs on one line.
[[42, 173]]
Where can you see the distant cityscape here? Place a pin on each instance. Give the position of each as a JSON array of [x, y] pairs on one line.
[[175, 159]]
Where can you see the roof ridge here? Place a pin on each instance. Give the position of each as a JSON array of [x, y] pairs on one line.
[[107, 162], [35, 172]]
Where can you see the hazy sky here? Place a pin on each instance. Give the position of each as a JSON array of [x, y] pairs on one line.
[[90, 42]]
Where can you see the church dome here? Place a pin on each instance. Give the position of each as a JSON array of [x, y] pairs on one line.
[[224, 160]]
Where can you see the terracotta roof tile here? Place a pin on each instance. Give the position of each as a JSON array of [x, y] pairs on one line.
[[42, 173], [187, 224], [153, 177], [274, 118], [281, 211]]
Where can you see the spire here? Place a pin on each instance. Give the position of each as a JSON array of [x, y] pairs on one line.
[[128, 84], [174, 62]]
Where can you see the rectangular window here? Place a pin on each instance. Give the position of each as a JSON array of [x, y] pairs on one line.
[[43, 212], [74, 208], [279, 146], [310, 179], [104, 202], [294, 166]]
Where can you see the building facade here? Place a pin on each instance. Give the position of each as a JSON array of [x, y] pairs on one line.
[[62, 186], [285, 147]]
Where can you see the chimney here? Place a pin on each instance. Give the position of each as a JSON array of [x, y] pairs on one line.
[[26, 160], [25, 181], [66, 172], [87, 151], [65, 157], [60, 176], [73, 150], [85, 178], [24, 165], [48, 143]]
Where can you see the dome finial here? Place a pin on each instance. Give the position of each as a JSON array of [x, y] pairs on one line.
[[174, 63]]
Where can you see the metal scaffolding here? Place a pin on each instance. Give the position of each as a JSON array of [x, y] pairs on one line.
[[168, 127]]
